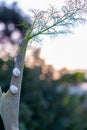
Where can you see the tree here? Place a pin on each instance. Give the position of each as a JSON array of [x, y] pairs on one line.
[[51, 22], [10, 17]]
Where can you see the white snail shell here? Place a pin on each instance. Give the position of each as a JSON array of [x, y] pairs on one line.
[[20, 41], [16, 72], [13, 89]]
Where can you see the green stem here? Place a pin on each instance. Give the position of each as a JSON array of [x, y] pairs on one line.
[[10, 102]]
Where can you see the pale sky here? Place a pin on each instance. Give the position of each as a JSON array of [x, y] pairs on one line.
[[67, 51]]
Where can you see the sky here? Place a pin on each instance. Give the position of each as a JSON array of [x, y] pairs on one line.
[[68, 51]]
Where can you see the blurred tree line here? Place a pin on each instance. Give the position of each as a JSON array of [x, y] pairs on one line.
[[42, 106]]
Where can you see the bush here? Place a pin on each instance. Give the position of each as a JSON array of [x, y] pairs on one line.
[[42, 106]]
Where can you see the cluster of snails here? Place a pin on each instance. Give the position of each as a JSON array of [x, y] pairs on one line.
[[16, 72]]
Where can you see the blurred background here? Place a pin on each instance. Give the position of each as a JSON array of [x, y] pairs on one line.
[[52, 98]]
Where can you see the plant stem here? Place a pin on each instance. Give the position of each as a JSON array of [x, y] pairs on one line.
[[10, 102]]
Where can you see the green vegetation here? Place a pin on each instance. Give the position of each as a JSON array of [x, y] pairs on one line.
[[42, 107], [75, 78]]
